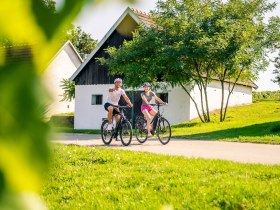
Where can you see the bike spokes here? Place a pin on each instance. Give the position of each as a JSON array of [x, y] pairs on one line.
[[163, 131], [106, 134], [126, 133], [140, 130]]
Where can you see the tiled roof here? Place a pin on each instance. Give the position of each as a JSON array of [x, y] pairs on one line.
[[145, 18]]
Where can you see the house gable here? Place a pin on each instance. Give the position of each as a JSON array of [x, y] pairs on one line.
[[91, 72]]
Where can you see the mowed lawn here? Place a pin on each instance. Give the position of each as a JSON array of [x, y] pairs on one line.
[[258, 122], [96, 178]]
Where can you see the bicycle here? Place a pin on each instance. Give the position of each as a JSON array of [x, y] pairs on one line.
[[123, 128], [161, 126]]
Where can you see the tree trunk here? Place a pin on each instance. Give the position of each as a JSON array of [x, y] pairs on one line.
[[201, 101], [230, 92], [196, 107], [206, 102], [222, 101]]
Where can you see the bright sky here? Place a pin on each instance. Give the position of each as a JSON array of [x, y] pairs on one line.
[[98, 19]]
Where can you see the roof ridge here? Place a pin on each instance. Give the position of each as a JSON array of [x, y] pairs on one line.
[[137, 11]]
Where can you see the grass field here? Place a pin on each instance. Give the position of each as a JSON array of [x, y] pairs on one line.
[[258, 122], [95, 178]]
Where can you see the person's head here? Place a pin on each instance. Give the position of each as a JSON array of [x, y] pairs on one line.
[[118, 82], [146, 86]]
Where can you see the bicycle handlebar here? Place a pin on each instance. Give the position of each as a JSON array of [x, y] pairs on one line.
[[159, 104], [122, 107]]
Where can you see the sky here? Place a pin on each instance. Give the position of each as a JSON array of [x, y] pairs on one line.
[[98, 19]]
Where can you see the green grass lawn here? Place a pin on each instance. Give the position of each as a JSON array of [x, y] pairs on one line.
[[258, 122], [72, 130], [96, 178]]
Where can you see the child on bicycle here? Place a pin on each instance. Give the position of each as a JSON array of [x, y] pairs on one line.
[[146, 108], [114, 96]]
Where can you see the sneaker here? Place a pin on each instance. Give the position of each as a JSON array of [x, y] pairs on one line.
[[110, 127], [149, 135], [152, 132]]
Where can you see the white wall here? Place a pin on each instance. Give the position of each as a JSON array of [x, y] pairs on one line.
[[89, 116], [241, 95], [177, 110], [180, 108], [62, 66]]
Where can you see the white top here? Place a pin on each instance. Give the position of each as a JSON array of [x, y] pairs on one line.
[[114, 97]]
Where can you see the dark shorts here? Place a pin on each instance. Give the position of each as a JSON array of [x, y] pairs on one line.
[[115, 111]]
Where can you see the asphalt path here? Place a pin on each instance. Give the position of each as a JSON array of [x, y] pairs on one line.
[[233, 151]]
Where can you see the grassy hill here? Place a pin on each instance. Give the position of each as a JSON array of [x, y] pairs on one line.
[[258, 122]]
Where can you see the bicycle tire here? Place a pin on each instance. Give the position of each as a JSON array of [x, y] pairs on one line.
[[126, 132], [141, 133], [106, 135], [163, 131]]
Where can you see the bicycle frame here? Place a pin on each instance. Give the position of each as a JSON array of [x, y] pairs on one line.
[[118, 124], [158, 116]]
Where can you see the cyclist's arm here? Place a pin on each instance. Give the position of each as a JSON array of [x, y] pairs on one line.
[[145, 100], [127, 100], [159, 100]]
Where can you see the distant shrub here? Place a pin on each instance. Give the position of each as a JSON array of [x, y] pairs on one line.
[[276, 128], [266, 95], [62, 120]]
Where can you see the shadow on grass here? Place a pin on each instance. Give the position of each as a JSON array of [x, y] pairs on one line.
[[257, 130], [183, 125]]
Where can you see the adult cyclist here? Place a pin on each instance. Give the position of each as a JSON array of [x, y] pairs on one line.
[[146, 108], [114, 96]]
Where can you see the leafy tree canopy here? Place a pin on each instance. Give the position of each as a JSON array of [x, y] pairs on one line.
[[82, 41], [195, 42]]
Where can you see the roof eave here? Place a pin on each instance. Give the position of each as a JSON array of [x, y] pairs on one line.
[[103, 40]]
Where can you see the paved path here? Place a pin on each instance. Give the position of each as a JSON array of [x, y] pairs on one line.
[[239, 152]]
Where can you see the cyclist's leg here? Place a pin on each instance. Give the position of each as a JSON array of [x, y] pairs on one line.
[[110, 114], [110, 109], [148, 119], [117, 117], [153, 113]]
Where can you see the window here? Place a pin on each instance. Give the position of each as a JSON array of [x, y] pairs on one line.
[[163, 96], [96, 99]]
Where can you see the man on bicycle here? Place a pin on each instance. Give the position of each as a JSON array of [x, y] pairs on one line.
[[114, 96]]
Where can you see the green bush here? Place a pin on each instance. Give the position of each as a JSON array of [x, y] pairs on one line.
[[62, 121], [266, 95], [276, 128]]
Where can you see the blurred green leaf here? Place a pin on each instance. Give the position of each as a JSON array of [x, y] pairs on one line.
[[33, 31]]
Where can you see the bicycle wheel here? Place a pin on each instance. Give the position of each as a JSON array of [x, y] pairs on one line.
[[106, 134], [163, 131], [126, 133], [140, 131]]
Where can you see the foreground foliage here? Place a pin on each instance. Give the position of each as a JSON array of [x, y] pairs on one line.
[[92, 178]]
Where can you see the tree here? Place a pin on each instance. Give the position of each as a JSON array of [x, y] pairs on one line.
[[275, 36], [277, 70], [82, 41], [195, 42], [50, 5], [69, 90]]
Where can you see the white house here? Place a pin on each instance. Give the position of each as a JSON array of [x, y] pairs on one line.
[[93, 81], [62, 66]]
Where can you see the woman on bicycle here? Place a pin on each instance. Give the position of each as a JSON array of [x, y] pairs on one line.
[[146, 108]]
